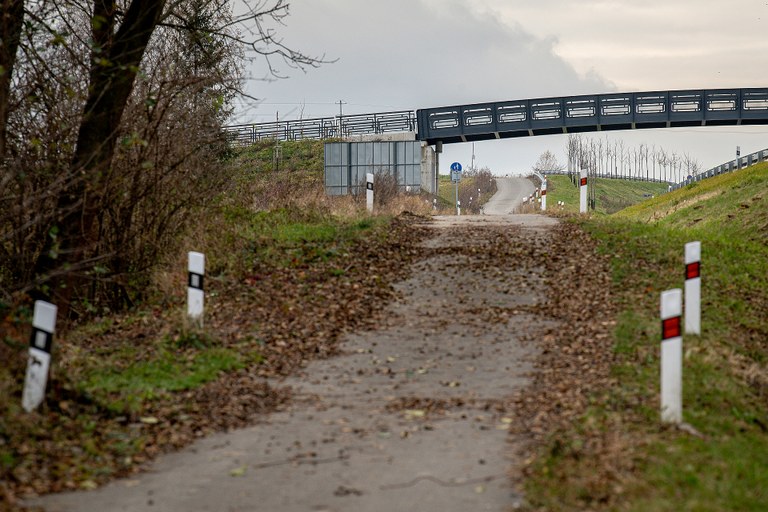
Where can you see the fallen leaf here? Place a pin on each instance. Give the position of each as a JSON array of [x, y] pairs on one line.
[[88, 485], [238, 471]]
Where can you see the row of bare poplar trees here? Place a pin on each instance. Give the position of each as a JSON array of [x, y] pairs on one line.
[[613, 159]]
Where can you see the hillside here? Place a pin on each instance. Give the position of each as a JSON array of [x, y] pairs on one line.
[[612, 195], [618, 455]]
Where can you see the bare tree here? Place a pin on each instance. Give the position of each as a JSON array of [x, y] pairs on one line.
[[614, 159], [691, 165], [86, 128], [548, 162]]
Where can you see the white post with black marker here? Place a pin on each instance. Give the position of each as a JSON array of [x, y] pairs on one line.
[[693, 288], [544, 195], [369, 192], [583, 191], [195, 293], [671, 356], [43, 327]]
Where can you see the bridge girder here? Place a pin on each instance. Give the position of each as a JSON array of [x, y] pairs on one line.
[[589, 113]]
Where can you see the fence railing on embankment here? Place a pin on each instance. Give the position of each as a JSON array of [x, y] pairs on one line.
[[323, 127]]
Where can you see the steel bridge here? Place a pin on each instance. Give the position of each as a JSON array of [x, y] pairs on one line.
[[542, 116], [530, 117], [589, 113]]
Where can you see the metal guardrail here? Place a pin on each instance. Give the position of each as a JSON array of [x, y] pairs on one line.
[[576, 114], [733, 165], [323, 127]]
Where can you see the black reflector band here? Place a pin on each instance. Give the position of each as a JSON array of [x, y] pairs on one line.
[[41, 340], [195, 281]]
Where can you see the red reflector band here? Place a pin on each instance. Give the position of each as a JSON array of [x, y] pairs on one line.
[[670, 328], [693, 270], [583, 182], [543, 192]]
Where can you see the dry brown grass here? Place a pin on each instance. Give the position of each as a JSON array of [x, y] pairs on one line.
[[219, 236]]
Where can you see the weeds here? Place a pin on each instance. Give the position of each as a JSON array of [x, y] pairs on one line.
[[724, 374]]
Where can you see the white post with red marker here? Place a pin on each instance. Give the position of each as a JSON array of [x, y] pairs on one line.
[[369, 192], [671, 356], [43, 327], [693, 288], [544, 195], [195, 293], [583, 191]]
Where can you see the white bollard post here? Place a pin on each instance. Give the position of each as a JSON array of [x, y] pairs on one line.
[[693, 288], [43, 327], [195, 293], [671, 356], [434, 204], [544, 195], [583, 192], [369, 191], [458, 208]]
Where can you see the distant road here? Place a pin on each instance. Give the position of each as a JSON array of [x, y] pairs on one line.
[[509, 196]]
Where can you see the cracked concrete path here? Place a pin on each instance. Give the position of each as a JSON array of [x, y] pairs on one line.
[[411, 417]]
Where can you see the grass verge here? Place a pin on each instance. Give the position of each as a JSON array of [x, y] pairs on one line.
[[612, 195], [617, 456]]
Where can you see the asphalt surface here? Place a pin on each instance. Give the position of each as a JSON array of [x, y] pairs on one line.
[[410, 418], [509, 195]]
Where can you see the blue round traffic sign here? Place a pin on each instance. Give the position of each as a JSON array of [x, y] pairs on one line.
[[456, 167]]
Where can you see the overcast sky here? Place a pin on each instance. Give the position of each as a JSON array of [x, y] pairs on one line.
[[410, 54]]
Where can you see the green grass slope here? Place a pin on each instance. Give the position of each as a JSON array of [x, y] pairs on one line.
[[612, 195], [721, 466]]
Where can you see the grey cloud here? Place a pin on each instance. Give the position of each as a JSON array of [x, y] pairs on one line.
[[409, 54]]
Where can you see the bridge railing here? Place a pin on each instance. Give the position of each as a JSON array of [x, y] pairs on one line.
[[323, 127], [575, 114]]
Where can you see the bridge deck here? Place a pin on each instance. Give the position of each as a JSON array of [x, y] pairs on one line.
[[575, 114]]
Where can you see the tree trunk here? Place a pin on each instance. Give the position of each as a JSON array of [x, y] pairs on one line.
[[115, 60], [11, 22]]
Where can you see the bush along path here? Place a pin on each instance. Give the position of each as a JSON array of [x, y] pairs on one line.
[[413, 414], [125, 389]]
